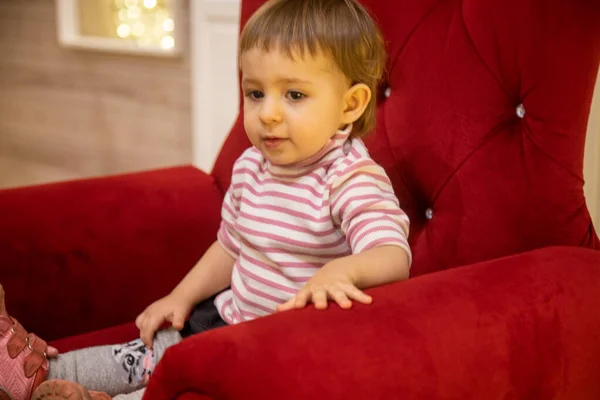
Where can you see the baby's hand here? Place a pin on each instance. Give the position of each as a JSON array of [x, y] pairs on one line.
[[333, 282], [168, 309]]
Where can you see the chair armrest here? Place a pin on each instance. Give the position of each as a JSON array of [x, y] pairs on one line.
[[525, 327], [88, 254]]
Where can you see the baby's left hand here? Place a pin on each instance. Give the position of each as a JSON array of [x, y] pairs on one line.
[[332, 282]]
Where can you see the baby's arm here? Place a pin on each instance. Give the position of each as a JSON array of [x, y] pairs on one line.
[[363, 204], [376, 266], [209, 276], [341, 280]]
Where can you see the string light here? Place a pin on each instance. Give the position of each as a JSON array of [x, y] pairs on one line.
[[150, 4], [147, 22], [123, 30], [168, 25], [167, 42]]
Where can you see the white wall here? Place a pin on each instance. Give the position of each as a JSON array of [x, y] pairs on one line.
[[214, 32], [213, 46]]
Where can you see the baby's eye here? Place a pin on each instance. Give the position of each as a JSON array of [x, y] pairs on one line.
[[255, 94], [295, 95]]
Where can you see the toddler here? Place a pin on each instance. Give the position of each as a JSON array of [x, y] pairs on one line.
[[309, 216]]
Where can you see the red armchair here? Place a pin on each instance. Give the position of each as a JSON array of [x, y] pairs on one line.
[[481, 128]]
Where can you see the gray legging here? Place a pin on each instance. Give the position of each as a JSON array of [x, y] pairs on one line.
[[125, 368]]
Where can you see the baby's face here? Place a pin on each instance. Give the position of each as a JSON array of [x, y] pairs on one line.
[[292, 106]]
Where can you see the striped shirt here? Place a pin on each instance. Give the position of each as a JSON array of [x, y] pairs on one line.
[[283, 223]]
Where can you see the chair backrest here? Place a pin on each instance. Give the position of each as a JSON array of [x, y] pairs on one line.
[[481, 123]]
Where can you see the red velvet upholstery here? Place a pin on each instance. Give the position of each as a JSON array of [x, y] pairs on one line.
[[520, 327], [502, 329], [111, 335], [449, 136], [84, 255]]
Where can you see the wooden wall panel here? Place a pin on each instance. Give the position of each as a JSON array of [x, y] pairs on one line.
[[591, 171], [68, 113]]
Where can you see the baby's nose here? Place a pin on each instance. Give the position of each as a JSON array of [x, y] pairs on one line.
[[270, 111]]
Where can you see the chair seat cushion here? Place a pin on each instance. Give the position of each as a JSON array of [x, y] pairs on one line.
[[113, 335]]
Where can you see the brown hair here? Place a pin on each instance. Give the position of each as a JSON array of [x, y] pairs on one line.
[[342, 29]]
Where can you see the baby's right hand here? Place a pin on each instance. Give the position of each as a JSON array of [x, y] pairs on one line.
[[169, 308]]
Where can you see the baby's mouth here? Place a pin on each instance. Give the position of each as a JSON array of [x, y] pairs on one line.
[[272, 142]]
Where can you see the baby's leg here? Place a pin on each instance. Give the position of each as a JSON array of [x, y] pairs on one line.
[[113, 369]]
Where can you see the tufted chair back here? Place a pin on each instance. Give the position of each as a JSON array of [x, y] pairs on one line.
[[481, 123]]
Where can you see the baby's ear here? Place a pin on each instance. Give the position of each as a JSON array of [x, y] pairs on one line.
[[356, 101]]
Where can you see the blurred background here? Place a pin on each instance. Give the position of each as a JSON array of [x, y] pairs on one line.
[[68, 113]]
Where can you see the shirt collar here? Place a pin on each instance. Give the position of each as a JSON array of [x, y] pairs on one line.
[[323, 158]]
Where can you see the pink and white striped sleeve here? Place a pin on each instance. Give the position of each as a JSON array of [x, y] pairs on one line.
[[228, 236], [364, 205]]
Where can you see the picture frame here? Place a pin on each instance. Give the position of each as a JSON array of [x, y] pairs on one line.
[[124, 38]]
